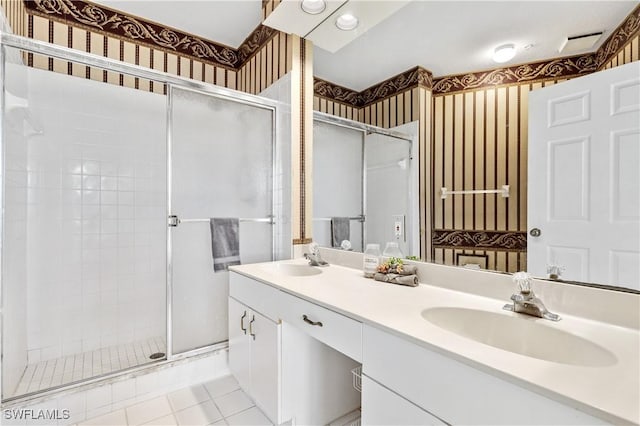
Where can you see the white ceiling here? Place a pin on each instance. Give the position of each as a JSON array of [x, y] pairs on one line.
[[446, 37]]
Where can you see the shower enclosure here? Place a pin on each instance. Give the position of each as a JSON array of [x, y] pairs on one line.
[[366, 174], [110, 175]]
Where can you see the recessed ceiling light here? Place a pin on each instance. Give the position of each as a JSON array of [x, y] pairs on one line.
[[504, 53], [313, 7], [347, 22]]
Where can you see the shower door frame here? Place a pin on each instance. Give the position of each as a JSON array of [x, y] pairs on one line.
[[28, 45], [243, 100], [365, 129]]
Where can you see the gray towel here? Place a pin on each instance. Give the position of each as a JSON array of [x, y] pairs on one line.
[[408, 280], [406, 270], [340, 227], [225, 242]]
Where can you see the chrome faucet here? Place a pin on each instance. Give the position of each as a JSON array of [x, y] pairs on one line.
[[526, 302], [314, 257]]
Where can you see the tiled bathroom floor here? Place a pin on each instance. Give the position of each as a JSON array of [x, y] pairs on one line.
[[68, 369], [219, 402]]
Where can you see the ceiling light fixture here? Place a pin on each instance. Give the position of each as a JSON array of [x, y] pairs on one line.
[[347, 22], [504, 53], [313, 7]]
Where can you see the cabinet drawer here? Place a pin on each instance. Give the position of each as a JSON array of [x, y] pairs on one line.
[[256, 295], [441, 385], [336, 331], [380, 406]]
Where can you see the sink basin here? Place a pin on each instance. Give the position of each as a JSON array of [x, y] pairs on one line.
[[522, 335], [293, 270]]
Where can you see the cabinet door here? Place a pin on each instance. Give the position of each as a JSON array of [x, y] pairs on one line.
[[380, 406], [265, 365], [240, 343]]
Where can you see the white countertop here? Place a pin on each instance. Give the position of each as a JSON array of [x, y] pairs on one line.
[[611, 393]]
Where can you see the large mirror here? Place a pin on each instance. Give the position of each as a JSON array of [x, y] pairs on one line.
[[541, 201]]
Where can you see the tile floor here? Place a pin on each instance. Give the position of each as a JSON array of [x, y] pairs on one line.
[[219, 402], [68, 369]]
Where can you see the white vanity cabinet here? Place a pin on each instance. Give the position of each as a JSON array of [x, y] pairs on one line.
[[294, 370], [254, 348], [450, 390]]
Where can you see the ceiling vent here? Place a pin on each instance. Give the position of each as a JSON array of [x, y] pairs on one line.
[[580, 42]]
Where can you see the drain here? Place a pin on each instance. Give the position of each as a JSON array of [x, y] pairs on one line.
[[157, 355]]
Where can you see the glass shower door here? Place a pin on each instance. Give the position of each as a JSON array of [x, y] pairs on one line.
[[221, 162], [388, 192]]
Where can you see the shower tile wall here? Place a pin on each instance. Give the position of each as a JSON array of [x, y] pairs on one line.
[[14, 266], [96, 186]]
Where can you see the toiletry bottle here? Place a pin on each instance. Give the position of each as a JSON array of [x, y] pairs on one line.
[[392, 250], [371, 260]]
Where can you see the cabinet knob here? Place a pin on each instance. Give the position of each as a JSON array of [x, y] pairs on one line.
[[535, 232]]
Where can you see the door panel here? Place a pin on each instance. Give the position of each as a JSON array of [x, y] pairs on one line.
[[240, 343], [221, 155], [584, 181], [265, 365]]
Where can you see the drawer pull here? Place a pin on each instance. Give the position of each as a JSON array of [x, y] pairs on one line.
[[242, 322], [251, 327], [308, 321]]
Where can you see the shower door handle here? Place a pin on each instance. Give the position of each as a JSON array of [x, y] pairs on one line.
[[242, 322]]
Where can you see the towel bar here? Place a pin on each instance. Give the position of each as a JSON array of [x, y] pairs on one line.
[[360, 218], [175, 221], [504, 191]]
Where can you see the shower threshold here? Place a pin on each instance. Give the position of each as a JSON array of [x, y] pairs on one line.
[[85, 365]]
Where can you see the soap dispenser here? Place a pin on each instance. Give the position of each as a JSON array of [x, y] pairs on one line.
[[371, 260]]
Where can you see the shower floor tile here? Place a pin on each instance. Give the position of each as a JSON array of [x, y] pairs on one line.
[[84, 365]]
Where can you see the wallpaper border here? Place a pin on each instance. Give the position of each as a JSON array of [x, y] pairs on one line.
[[106, 21], [625, 32], [514, 241], [414, 77]]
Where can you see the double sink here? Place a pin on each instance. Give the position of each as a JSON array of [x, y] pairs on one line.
[[508, 331]]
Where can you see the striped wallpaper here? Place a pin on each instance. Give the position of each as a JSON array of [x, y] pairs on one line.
[[16, 16], [272, 61], [103, 44]]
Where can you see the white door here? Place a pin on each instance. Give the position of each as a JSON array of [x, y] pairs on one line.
[[265, 368], [584, 178]]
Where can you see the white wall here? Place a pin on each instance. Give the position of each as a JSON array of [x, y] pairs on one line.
[[96, 215]]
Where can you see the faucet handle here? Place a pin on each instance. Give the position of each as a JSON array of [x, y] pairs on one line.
[[314, 248], [523, 279]]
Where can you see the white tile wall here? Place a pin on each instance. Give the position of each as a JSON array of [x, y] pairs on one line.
[[14, 292], [95, 192]]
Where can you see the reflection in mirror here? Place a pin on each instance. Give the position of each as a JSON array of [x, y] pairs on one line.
[[362, 186], [475, 133]]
